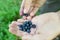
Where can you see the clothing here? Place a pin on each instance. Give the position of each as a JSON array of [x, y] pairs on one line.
[[50, 6]]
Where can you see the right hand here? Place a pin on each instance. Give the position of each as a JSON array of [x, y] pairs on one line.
[[31, 6], [48, 26], [28, 7]]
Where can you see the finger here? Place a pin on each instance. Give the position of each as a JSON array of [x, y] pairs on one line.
[[21, 14], [27, 6], [21, 11], [32, 14], [13, 27], [12, 24], [20, 20], [29, 18], [24, 17]]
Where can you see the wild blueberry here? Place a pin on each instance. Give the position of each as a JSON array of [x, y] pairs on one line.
[[28, 31], [20, 26], [33, 26], [26, 26], [25, 14], [26, 22], [29, 22]]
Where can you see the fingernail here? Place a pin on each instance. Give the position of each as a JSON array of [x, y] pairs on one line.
[[25, 11], [29, 18], [32, 14]]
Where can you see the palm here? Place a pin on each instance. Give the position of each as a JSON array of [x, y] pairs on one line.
[[48, 25]]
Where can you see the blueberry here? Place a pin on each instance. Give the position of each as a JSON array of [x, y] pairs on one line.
[[25, 14], [20, 26], [29, 22], [29, 27], [26, 22], [28, 31], [33, 26], [25, 27], [21, 29], [24, 30]]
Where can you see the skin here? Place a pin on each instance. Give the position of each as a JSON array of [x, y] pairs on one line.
[[48, 27], [31, 7]]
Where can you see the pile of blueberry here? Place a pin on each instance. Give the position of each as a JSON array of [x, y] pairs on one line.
[[26, 26]]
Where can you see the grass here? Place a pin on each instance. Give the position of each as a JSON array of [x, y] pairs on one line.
[[9, 11]]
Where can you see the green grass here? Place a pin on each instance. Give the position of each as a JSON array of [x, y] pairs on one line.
[[9, 11]]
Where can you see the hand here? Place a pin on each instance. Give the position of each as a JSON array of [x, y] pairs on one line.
[[29, 15], [14, 29], [29, 7], [48, 27]]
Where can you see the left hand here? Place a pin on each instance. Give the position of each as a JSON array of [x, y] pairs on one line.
[[14, 29]]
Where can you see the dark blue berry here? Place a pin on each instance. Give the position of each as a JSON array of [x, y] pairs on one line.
[[26, 26], [29, 27], [29, 22], [21, 29], [24, 30], [33, 26], [20, 26], [26, 22], [25, 14], [28, 31]]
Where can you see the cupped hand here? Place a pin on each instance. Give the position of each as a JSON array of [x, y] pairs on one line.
[[47, 27], [14, 29]]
